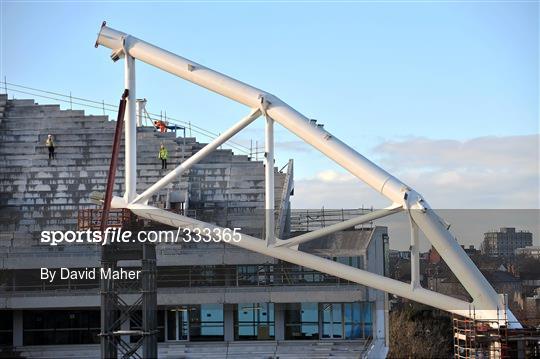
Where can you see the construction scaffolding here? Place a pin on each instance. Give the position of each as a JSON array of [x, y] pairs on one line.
[[485, 339], [90, 218]]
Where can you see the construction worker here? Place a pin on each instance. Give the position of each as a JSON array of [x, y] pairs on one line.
[[163, 155], [49, 143], [160, 125]]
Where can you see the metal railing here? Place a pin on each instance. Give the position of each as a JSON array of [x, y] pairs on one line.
[[311, 219], [264, 275], [107, 108]]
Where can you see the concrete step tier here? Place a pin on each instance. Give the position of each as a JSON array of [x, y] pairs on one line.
[[221, 350]]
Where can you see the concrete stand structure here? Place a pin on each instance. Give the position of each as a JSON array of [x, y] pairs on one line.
[[213, 300]]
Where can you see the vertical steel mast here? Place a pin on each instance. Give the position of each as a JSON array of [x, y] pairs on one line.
[[130, 127]]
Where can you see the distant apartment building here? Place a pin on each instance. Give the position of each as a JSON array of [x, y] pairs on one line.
[[501, 280], [470, 250], [503, 243], [532, 251], [395, 254]]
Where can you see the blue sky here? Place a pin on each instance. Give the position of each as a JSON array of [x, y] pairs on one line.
[[374, 73]]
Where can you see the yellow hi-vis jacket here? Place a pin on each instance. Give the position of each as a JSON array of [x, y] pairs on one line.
[[163, 154]]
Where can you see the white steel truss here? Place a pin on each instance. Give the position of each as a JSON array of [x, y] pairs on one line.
[[486, 304]]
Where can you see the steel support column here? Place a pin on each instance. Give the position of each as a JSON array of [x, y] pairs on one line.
[[269, 182], [149, 301], [130, 130], [108, 341], [415, 255]]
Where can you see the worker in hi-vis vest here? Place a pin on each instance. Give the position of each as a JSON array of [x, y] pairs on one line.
[[49, 143], [163, 155]]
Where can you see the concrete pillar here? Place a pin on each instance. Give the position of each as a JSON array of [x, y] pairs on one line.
[[379, 325], [387, 320], [130, 131], [228, 322], [140, 104], [279, 321], [17, 328]]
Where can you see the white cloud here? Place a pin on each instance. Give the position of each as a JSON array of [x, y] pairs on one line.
[[334, 176], [333, 189], [484, 172]]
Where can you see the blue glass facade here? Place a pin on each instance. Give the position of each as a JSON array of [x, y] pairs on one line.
[[257, 321], [329, 320], [254, 321]]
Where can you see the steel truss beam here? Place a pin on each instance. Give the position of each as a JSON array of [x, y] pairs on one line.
[[486, 303]]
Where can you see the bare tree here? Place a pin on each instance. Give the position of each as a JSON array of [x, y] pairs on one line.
[[420, 332]]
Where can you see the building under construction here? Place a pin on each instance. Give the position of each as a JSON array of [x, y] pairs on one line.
[[211, 299], [483, 339]]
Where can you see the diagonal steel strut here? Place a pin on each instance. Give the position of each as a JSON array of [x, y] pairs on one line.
[[111, 176], [203, 152], [381, 213]]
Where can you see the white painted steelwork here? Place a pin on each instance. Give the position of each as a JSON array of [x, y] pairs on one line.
[[130, 126], [415, 255], [269, 223], [320, 264], [486, 303], [365, 218]]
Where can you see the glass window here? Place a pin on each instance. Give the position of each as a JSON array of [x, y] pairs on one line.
[[367, 320], [247, 275], [177, 323], [346, 320], [206, 322], [61, 327], [255, 274], [205, 276], [6, 327], [302, 321], [332, 320], [353, 325], [254, 321]]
